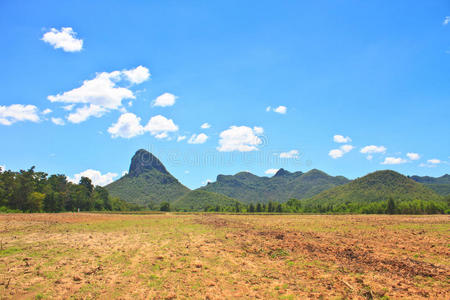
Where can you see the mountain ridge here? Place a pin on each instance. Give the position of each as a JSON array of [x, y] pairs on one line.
[[374, 187], [440, 185], [249, 188], [150, 183]]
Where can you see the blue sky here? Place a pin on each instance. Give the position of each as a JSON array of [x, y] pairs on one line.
[[348, 87]]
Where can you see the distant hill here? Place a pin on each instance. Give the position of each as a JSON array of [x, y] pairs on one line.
[[440, 185], [198, 200], [147, 182], [249, 188], [377, 186]]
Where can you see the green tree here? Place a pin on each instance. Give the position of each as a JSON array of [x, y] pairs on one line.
[[87, 183], [251, 208], [31, 191], [58, 183], [237, 207], [101, 198], [80, 197], [50, 202], [7, 184], [391, 206], [165, 206], [24, 185], [35, 202], [279, 208]]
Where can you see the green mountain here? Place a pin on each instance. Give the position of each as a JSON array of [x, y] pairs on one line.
[[440, 185], [284, 185], [198, 200], [147, 182], [374, 187]]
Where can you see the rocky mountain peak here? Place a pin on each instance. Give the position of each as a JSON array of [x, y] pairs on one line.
[[282, 172], [143, 161]]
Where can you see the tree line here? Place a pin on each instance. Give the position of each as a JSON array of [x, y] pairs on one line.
[[31, 191], [389, 206]]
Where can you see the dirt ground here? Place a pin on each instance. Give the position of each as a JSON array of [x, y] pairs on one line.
[[111, 256]]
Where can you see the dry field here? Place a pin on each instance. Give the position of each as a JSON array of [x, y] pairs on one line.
[[85, 256]]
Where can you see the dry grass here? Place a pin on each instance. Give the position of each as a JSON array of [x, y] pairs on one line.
[[223, 256]]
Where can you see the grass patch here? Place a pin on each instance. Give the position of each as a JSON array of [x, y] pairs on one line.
[[10, 251]]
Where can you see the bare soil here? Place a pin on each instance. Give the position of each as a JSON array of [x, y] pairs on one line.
[[169, 256]]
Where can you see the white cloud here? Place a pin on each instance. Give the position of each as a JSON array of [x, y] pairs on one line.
[[289, 154], [198, 139], [18, 112], [96, 177], [446, 20], [180, 138], [166, 99], [68, 107], [280, 109], [271, 171], [258, 130], [2, 168], [161, 135], [101, 91], [159, 126], [205, 126], [58, 121], [47, 111], [124, 173], [137, 75], [413, 156], [393, 161], [85, 112], [434, 161], [431, 163], [373, 149], [337, 153], [186, 172], [99, 95], [240, 138], [341, 139], [64, 38], [128, 125], [347, 148]]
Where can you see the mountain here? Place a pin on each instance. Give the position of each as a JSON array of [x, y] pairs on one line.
[[377, 186], [440, 185], [199, 200], [249, 188], [148, 182]]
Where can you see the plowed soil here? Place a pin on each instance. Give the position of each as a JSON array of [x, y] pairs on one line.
[[85, 256]]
